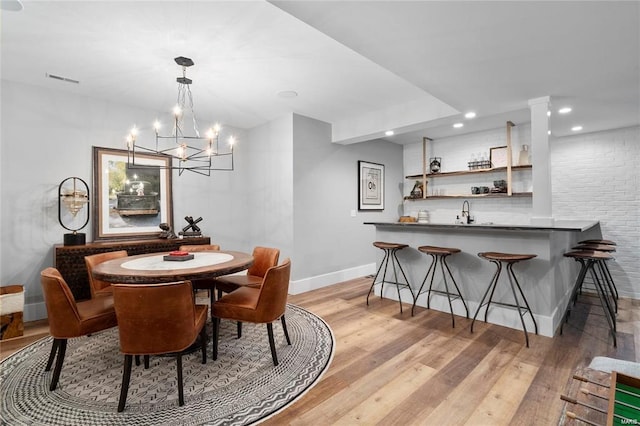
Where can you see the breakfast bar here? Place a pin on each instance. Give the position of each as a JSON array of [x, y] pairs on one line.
[[546, 280]]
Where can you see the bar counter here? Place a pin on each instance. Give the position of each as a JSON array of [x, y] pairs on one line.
[[546, 280]]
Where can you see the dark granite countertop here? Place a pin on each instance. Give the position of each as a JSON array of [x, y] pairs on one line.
[[559, 225]]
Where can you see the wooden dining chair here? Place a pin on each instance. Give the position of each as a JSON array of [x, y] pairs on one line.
[[99, 287], [157, 319], [261, 305], [208, 284], [68, 318]]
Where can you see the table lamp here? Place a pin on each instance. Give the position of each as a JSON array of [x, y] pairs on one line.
[[74, 198]]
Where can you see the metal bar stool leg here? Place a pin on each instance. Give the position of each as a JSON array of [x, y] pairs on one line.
[[609, 314], [434, 262], [605, 278], [491, 287], [574, 292], [496, 278], [431, 266], [521, 311], [394, 261], [446, 287], [384, 262], [444, 260]]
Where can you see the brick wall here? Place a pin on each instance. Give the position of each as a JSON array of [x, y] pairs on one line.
[[595, 176]]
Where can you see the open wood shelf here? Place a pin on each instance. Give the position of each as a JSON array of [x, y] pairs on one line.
[[469, 172], [496, 195]]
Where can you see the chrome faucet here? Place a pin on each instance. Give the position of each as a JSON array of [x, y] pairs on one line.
[[466, 213]]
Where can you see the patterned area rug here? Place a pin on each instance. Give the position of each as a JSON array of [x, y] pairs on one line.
[[241, 387]]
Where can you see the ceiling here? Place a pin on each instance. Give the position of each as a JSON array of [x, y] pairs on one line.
[[364, 66]]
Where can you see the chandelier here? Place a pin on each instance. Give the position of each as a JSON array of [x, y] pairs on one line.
[[190, 151]]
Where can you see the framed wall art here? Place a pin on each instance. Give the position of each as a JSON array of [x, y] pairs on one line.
[[370, 186], [498, 156], [131, 202]]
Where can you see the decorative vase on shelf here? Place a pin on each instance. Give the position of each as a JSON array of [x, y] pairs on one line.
[[524, 159], [416, 192]]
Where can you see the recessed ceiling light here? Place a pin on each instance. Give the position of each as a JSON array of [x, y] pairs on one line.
[[470, 114], [576, 128], [389, 133], [564, 110], [288, 94], [548, 132], [548, 113], [458, 125]]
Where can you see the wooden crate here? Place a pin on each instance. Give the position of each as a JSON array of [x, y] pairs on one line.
[[11, 311]]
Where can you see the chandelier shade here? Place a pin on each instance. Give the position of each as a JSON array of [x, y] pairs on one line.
[[189, 150]]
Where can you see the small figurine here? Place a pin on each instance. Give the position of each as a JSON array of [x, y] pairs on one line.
[[167, 232], [195, 230]]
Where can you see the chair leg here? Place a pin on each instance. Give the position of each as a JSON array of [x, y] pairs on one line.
[[239, 329], [284, 327], [203, 343], [62, 349], [180, 386], [272, 343], [137, 358], [126, 376], [52, 354], [384, 262], [146, 362], [216, 330]]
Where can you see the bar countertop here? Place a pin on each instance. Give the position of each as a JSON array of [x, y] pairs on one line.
[[559, 225]]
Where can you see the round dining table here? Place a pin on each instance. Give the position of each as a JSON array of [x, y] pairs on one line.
[[153, 268]]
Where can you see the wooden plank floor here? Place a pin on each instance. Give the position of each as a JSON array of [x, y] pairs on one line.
[[391, 368]]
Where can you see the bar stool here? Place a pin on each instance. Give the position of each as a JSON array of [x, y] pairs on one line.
[[591, 262], [510, 259], [607, 242], [602, 246], [439, 255], [390, 250]]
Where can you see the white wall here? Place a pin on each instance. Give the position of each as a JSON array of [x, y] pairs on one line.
[[269, 188], [328, 239], [595, 176]]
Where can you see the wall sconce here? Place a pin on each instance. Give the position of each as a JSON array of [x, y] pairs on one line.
[[73, 198]]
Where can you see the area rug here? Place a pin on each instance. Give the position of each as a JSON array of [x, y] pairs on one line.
[[241, 387]]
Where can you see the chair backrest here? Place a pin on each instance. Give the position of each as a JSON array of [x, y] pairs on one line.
[[200, 247], [273, 292], [155, 318], [64, 319], [263, 259], [95, 259]]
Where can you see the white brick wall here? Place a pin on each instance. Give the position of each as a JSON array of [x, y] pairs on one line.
[[595, 176]]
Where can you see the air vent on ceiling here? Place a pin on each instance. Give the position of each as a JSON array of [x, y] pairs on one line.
[[57, 77]]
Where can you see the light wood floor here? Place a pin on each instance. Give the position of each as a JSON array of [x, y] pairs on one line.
[[391, 368]]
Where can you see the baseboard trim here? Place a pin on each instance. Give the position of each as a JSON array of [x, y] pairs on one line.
[[324, 280], [35, 311]]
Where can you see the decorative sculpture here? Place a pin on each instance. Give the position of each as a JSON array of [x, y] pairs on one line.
[[167, 232], [195, 230]]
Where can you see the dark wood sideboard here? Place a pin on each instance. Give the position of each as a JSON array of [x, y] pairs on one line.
[[69, 260]]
